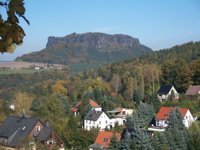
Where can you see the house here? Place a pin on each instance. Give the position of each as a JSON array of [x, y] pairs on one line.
[[119, 115], [193, 90], [121, 112], [16, 130], [96, 119], [75, 109], [163, 114], [166, 92], [103, 140]]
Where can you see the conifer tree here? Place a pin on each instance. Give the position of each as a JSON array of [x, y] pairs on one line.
[[176, 134], [145, 113], [113, 143], [125, 143]]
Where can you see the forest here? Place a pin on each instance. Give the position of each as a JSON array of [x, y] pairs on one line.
[[49, 96]]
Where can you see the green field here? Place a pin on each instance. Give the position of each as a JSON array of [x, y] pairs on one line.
[[17, 71]]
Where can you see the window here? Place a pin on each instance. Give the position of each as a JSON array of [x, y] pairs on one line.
[[37, 128], [99, 122], [105, 139], [24, 127]]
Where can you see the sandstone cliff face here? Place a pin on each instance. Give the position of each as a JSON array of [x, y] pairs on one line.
[[91, 48], [95, 40]]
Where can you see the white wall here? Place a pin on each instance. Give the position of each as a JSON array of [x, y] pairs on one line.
[[101, 123], [187, 121]]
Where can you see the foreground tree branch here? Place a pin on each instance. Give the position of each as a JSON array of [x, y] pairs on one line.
[[11, 33]]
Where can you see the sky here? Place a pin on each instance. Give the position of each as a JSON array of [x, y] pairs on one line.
[[157, 24]]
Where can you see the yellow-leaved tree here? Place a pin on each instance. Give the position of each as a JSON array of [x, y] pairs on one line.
[[11, 33]]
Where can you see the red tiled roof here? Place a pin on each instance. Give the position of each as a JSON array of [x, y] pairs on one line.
[[164, 112], [78, 104], [93, 103], [74, 109], [104, 138], [193, 90]]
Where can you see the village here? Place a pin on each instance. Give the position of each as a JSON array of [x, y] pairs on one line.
[[15, 128]]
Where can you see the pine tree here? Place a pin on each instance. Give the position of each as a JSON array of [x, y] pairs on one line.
[[145, 114], [177, 137], [114, 143], [125, 143]]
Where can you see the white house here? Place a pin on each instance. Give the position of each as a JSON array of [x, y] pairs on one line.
[[121, 112], [96, 119], [163, 114], [118, 116], [165, 92], [118, 121]]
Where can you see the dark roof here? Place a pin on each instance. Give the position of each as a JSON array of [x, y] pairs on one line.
[[44, 134], [93, 115], [164, 89], [16, 128]]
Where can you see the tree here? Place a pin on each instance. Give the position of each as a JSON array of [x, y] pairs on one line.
[[116, 82], [145, 113], [176, 134], [113, 143], [125, 143], [11, 33], [194, 137], [22, 102]]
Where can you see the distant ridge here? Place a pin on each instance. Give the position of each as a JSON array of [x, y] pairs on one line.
[[90, 48]]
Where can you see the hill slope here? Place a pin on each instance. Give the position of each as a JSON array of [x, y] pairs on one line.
[[90, 48]]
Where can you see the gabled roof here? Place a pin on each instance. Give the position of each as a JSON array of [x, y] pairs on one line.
[[16, 128], [104, 138], [93, 115], [164, 112], [92, 103], [44, 134], [193, 90], [164, 89]]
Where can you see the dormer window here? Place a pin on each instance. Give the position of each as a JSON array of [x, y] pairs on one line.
[[37, 128], [24, 127], [105, 139]]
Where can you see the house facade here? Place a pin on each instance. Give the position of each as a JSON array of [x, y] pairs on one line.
[[166, 92], [163, 114], [15, 130], [96, 119]]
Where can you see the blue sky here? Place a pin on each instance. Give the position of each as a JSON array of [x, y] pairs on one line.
[[157, 23]]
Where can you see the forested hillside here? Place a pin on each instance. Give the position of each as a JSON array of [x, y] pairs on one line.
[[49, 95]]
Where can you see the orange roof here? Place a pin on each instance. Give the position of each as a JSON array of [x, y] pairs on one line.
[[78, 104], [164, 112], [93, 103], [104, 138], [74, 109]]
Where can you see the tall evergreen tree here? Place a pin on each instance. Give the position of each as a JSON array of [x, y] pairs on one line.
[[177, 137], [145, 113], [125, 143], [114, 143]]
